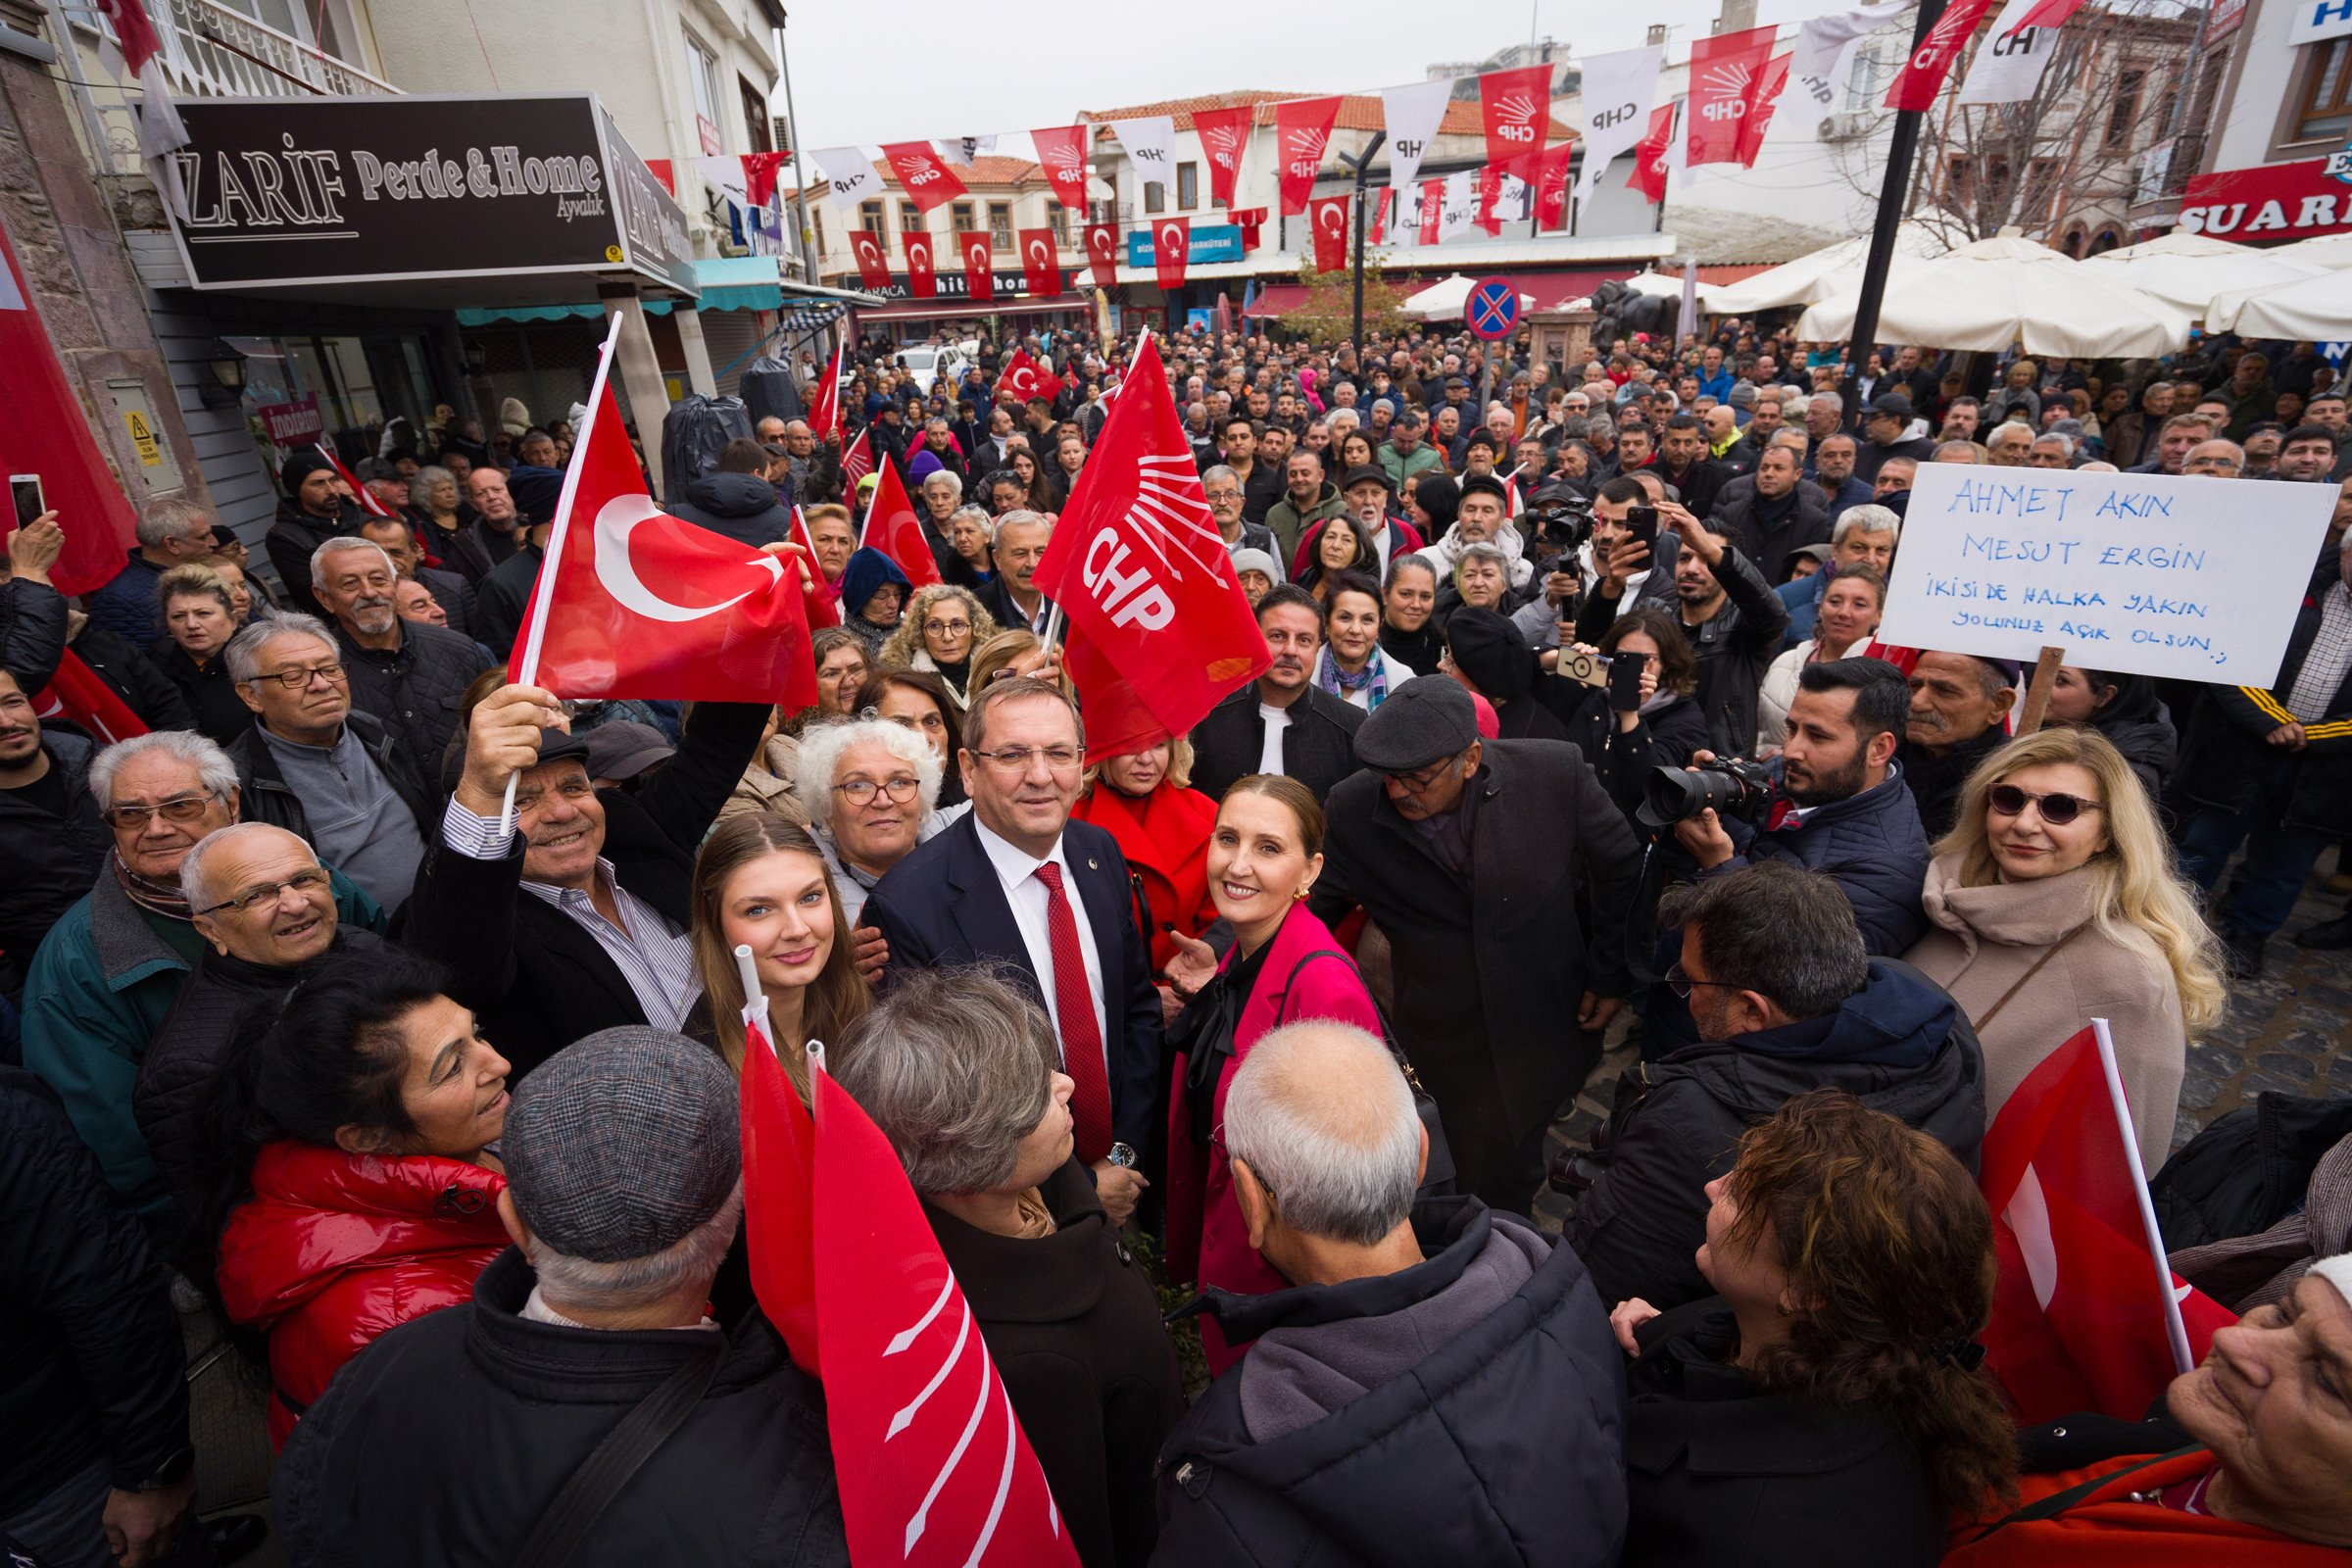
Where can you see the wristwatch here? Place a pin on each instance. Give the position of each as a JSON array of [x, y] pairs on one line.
[[171, 1472], [1122, 1156]]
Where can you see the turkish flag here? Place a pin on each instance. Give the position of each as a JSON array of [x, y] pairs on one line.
[[893, 528], [1250, 219], [1139, 568], [857, 461], [77, 694], [1025, 377], [930, 1462], [1327, 215], [1225, 137], [979, 265], [1380, 214], [1432, 209], [1102, 254], [1922, 76], [1649, 158], [2083, 1312], [367, 503], [1062, 153], [824, 409], [632, 602], [928, 180], [1724, 73], [1171, 245], [922, 275], [1551, 187], [873, 260], [1769, 84], [1041, 262], [1302, 133], [1516, 106]]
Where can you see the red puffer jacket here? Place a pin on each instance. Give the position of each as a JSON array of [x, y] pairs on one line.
[[333, 1249]]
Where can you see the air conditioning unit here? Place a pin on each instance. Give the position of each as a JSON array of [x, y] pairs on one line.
[[1844, 127]]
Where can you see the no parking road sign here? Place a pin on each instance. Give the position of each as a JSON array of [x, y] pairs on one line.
[[1493, 310]]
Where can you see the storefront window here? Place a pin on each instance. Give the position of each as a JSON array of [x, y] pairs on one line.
[[344, 388]]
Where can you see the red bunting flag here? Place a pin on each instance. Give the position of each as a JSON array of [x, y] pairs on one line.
[[2048, 14], [1922, 76], [1250, 219], [1139, 569], [1062, 153], [1026, 377], [922, 273], [1171, 246], [1490, 192], [367, 503], [1432, 209], [1551, 187], [1724, 71], [1775, 78], [1380, 214], [1327, 215], [927, 179], [894, 527], [1302, 133], [824, 408], [632, 602], [979, 265], [932, 1466], [1516, 106], [2087, 1314], [873, 260], [857, 462], [759, 176], [1649, 158], [1102, 254], [1041, 263], [1225, 137], [76, 695]]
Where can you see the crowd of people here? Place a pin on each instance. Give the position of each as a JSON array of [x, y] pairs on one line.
[[1575, 733]]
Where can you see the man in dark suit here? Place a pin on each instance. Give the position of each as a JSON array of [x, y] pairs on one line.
[[575, 919], [1015, 880], [1282, 722]]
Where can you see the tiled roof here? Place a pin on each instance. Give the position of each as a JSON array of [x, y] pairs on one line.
[[1357, 112]]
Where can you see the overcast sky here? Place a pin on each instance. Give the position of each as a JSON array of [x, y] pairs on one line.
[[921, 68]]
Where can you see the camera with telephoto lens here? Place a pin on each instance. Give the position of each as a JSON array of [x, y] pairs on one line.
[[1562, 521], [1730, 786]]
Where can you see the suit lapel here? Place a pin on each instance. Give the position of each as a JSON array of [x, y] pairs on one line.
[[976, 900]]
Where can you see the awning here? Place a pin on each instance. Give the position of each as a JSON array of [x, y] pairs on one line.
[[729, 283], [963, 309], [1277, 299]]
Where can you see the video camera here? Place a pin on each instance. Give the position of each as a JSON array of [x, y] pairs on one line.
[[1560, 519], [1730, 786]]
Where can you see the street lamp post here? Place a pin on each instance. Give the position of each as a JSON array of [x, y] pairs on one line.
[[1903, 150], [1363, 167]]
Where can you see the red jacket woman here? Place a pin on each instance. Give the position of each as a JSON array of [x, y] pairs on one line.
[[1162, 829], [333, 1249], [1284, 966]]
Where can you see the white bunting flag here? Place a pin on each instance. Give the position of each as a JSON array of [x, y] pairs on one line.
[[849, 176], [1151, 143], [1823, 39], [1620, 90], [1412, 113], [961, 150], [2009, 63]]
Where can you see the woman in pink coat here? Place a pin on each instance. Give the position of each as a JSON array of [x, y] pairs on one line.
[[1264, 854]]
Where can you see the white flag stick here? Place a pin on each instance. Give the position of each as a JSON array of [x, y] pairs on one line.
[[2175, 1330], [544, 593], [754, 995]]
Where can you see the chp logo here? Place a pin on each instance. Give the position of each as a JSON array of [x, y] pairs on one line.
[[1726, 88], [1607, 119], [1224, 144], [1946, 36], [1305, 154], [1170, 519], [1515, 119], [919, 169]]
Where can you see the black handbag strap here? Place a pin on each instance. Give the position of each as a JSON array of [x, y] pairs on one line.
[[2058, 1502], [567, 1519]]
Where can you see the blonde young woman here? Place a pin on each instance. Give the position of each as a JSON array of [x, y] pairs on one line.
[[2054, 901], [941, 627]]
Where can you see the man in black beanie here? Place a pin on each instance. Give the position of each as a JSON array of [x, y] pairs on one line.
[[314, 509]]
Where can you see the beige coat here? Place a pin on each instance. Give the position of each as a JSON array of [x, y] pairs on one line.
[[1981, 941], [768, 784]]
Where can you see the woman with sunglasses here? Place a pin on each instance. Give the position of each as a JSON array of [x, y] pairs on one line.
[[2054, 901]]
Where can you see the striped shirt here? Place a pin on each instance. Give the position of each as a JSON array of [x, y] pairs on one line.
[[652, 956]]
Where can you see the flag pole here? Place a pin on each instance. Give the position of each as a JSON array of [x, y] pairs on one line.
[[754, 995], [1053, 616], [2175, 1332], [543, 592]]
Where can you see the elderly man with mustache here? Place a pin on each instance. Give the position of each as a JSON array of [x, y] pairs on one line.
[[406, 673]]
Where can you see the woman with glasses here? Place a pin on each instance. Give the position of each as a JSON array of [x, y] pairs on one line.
[[761, 882], [919, 701], [870, 788], [942, 626], [2054, 901], [1265, 854]]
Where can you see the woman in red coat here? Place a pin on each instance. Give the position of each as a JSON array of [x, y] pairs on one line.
[[1263, 856], [361, 1192], [1144, 800]]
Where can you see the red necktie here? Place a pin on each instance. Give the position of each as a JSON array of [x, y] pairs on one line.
[[1081, 1034]]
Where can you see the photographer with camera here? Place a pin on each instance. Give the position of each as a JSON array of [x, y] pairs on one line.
[[1733, 619], [1639, 716], [1556, 519], [1785, 1002]]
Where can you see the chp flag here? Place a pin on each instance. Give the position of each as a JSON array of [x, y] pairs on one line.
[[1159, 629], [928, 180], [2087, 1314], [1062, 153], [632, 602], [857, 461], [1225, 137], [1301, 136], [932, 1465], [1516, 104], [1922, 76], [1726, 72]]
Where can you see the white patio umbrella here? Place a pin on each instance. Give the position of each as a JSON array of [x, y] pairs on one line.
[[2004, 290], [2315, 308], [2188, 271], [1817, 275], [1444, 300], [2330, 251], [1657, 285]]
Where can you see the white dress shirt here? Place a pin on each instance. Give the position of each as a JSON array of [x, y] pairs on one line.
[[1016, 869]]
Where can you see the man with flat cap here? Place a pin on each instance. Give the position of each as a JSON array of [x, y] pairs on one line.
[[582, 1403], [1471, 856]]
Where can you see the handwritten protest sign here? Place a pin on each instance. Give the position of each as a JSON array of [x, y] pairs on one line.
[[2188, 578]]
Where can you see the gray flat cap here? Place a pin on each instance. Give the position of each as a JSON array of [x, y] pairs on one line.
[[1426, 720], [620, 1145]]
